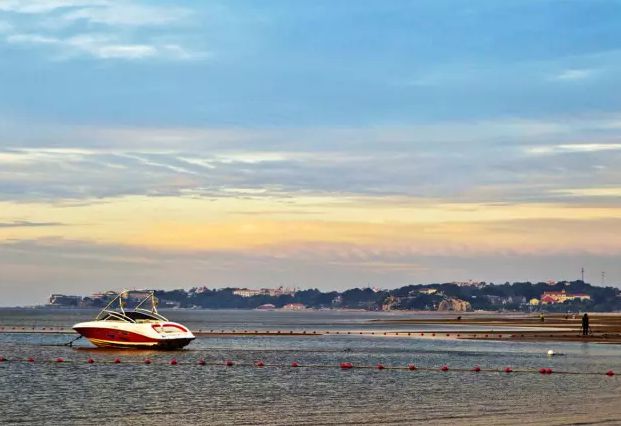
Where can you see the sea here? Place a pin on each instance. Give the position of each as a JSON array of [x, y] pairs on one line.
[[318, 392]]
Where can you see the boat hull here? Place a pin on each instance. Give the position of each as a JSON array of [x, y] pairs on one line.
[[124, 337]]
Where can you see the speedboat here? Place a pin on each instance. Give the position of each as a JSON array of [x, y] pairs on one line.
[[140, 327]]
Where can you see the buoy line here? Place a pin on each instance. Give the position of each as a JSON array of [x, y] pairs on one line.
[[294, 364]]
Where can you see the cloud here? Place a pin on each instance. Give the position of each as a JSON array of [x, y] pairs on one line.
[[452, 161], [574, 74], [99, 29], [28, 224]]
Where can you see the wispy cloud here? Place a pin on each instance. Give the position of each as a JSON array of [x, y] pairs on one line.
[[101, 29], [574, 74], [28, 224]]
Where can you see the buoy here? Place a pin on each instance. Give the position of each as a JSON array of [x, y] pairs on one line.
[[346, 365], [259, 363], [30, 359], [542, 370], [147, 361], [173, 361], [548, 371], [610, 373], [551, 353], [476, 369], [433, 334], [201, 362], [294, 364], [508, 370], [90, 361], [59, 359], [444, 368], [2, 359], [117, 360], [411, 367], [380, 366], [229, 363]]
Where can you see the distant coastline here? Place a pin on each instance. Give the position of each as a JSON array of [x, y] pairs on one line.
[[526, 297]]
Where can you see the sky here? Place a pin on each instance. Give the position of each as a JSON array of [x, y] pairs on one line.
[[329, 144]]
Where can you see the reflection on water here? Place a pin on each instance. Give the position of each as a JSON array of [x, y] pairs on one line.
[[79, 393]]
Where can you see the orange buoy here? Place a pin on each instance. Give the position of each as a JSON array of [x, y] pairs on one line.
[[433, 334], [346, 365], [476, 369], [444, 368], [201, 362], [90, 361], [422, 334], [229, 363], [610, 373], [380, 366], [173, 361], [411, 367], [59, 359], [259, 363], [508, 370], [117, 360], [294, 364]]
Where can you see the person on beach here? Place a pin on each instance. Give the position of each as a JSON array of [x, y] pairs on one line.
[[541, 318], [585, 324]]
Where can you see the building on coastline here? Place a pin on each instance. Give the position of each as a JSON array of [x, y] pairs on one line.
[[63, 300], [294, 307], [247, 292], [274, 292], [554, 297]]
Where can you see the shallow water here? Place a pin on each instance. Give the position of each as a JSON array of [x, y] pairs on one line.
[[134, 393]]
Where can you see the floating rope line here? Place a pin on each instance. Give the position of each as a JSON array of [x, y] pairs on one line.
[[342, 366]]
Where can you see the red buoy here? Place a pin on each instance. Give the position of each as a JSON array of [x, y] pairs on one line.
[[294, 364], [173, 361], [2, 359], [59, 359], [259, 363], [147, 361], [411, 367], [508, 370], [548, 371], [476, 369], [346, 365], [422, 334], [444, 368], [30, 359], [117, 360], [542, 370], [610, 373], [229, 363], [201, 362], [90, 361], [433, 334], [380, 366]]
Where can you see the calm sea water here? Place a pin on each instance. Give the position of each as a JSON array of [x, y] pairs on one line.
[[134, 393]]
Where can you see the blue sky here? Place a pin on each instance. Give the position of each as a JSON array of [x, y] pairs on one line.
[[414, 141], [308, 63]]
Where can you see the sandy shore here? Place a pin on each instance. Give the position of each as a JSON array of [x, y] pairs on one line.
[[604, 328]]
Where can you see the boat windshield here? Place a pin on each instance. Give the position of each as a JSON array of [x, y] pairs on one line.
[[143, 316]]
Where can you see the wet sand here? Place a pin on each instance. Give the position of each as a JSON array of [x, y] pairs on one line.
[[604, 328]]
